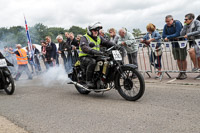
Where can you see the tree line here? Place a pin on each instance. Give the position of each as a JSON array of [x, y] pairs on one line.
[[17, 34]]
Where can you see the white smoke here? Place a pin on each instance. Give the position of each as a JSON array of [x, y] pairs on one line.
[[55, 75]]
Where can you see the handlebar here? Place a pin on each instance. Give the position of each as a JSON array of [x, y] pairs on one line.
[[110, 48]]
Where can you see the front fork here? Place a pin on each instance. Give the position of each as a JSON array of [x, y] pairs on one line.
[[120, 71]]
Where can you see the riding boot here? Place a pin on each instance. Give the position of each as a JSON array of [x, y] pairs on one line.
[[89, 76]]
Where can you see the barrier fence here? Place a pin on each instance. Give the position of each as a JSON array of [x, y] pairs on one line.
[[148, 63]]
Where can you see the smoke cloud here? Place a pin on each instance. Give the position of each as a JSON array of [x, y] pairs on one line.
[[55, 75]]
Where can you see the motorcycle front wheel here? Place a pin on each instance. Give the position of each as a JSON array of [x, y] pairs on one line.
[[130, 83]]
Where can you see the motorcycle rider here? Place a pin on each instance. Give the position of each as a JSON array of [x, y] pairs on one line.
[[90, 46]]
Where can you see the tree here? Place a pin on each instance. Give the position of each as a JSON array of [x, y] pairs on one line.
[[77, 30], [137, 32], [55, 31]]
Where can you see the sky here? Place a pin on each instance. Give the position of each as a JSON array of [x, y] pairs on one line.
[[111, 13]]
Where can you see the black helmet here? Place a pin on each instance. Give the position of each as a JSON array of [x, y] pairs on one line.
[[95, 26]]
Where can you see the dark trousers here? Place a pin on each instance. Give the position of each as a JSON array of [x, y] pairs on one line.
[[154, 58], [132, 58], [57, 59], [22, 68], [37, 62], [88, 63], [74, 57], [43, 58], [49, 64]]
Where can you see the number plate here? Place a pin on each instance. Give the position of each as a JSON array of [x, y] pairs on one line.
[[116, 55], [3, 63]]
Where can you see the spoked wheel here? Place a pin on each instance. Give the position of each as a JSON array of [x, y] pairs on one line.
[[10, 85], [130, 84]]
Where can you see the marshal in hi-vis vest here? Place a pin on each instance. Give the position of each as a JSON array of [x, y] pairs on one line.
[[22, 59], [96, 47]]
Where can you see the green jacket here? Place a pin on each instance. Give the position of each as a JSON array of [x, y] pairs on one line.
[[130, 41]]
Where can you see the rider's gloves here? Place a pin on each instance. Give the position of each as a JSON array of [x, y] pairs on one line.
[[117, 46], [91, 44], [95, 52]]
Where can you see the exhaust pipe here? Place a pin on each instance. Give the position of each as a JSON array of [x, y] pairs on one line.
[[79, 85], [96, 90]]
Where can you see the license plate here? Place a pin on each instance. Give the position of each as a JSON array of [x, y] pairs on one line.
[[116, 55], [3, 63]]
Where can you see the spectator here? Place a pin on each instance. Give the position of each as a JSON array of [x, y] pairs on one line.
[[22, 62], [50, 52], [127, 41], [73, 41], [191, 31], [198, 18], [75, 46], [43, 52], [31, 61], [63, 48], [68, 37], [36, 58], [102, 34], [171, 31], [78, 38], [113, 37], [154, 36]]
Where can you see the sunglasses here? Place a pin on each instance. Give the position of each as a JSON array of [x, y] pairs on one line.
[[185, 19]]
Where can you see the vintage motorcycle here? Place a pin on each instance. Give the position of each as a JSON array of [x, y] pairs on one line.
[[111, 73], [6, 80]]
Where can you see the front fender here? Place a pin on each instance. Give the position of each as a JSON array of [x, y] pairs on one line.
[[131, 65], [125, 65]]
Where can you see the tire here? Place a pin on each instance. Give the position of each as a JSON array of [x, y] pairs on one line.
[[81, 90], [11, 87], [129, 84]]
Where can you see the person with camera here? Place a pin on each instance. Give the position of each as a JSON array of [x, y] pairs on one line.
[[90, 46]]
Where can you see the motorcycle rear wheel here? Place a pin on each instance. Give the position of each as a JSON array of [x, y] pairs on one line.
[[10, 87], [79, 89]]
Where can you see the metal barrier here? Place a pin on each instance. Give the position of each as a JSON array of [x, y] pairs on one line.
[[167, 63]]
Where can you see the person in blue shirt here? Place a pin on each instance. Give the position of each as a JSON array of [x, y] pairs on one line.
[[171, 31], [153, 36]]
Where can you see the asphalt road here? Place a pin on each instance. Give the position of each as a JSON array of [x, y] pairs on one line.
[[59, 108]]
